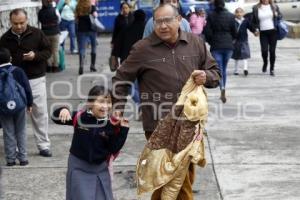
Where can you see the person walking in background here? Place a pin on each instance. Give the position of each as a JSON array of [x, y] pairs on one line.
[[67, 12], [85, 33], [123, 20], [197, 21], [126, 39], [97, 136], [184, 24], [49, 18], [220, 31], [265, 13], [14, 126], [241, 50], [30, 50]]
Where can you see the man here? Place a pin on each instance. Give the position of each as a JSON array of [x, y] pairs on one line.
[[162, 63], [184, 24], [49, 18], [30, 50]]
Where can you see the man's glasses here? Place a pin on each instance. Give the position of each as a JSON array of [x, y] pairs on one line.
[[164, 20]]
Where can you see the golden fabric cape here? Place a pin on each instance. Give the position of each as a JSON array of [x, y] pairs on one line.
[[176, 142]]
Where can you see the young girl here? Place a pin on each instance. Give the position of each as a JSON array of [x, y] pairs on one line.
[[96, 138], [241, 50], [198, 21]]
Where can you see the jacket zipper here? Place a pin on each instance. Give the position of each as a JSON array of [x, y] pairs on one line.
[[173, 54]]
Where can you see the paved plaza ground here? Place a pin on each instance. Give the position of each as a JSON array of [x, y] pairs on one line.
[[252, 148]]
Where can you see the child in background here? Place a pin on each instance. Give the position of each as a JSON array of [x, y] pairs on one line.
[[241, 50], [14, 126], [198, 21], [97, 137]]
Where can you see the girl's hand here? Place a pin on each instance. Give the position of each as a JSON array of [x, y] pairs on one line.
[[124, 122], [64, 115]]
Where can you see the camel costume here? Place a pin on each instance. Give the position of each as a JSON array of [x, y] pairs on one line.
[[175, 145]]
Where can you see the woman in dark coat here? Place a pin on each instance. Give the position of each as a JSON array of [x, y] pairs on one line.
[[124, 19], [126, 40], [130, 35], [220, 31]]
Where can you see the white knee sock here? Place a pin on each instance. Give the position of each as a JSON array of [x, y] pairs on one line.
[[236, 66], [245, 64]]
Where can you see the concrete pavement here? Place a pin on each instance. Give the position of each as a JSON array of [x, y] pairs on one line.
[[252, 148]]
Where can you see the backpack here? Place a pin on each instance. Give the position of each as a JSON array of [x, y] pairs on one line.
[[13, 98], [282, 29], [61, 8]]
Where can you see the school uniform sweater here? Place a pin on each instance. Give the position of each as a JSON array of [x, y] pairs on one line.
[[94, 140]]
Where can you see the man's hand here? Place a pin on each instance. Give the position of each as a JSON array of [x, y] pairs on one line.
[[29, 109], [115, 62], [29, 56], [199, 77]]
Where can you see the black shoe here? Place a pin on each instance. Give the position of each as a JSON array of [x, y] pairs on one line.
[[10, 164], [272, 73], [24, 163], [264, 68], [223, 96], [45, 153], [93, 69], [56, 69], [246, 72], [80, 70], [236, 73], [49, 69]]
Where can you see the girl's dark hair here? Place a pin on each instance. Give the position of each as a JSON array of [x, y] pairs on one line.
[[4, 55], [121, 6], [162, 1], [219, 5], [96, 91]]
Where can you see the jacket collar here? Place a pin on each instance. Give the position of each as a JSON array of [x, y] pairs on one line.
[[5, 64], [26, 32], [155, 40]]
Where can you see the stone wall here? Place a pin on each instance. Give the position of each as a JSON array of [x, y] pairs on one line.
[[5, 8]]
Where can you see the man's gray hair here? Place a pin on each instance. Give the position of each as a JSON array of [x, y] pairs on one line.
[[175, 10]]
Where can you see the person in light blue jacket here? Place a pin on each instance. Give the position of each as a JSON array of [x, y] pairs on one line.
[[184, 25], [67, 9]]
